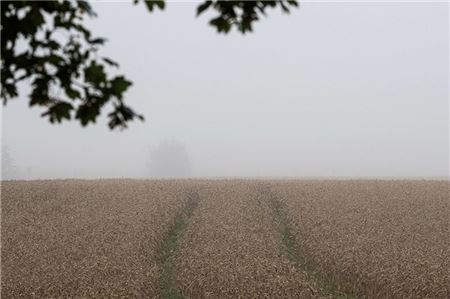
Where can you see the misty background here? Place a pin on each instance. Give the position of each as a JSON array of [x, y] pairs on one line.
[[333, 89]]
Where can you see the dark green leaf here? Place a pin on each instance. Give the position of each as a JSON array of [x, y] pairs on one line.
[[87, 113], [59, 111], [110, 62], [72, 93], [119, 85], [98, 40], [221, 24], [151, 4], [202, 7], [95, 73], [55, 59], [53, 45]]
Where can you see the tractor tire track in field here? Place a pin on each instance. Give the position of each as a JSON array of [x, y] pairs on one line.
[[231, 250], [291, 248], [169, 247]]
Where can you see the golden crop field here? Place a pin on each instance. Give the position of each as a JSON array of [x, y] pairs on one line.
[[225, 239]]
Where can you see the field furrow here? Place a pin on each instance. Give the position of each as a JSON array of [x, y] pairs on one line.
[[169, 246], [231, 249], [291, 247]]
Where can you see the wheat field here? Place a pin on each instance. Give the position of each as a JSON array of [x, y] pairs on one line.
[[232, 238]]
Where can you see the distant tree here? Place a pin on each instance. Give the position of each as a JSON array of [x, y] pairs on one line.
[[7, 169], [170, 159], [46, 44]]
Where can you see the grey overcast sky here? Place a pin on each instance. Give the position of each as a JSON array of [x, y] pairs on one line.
[[342, 89]]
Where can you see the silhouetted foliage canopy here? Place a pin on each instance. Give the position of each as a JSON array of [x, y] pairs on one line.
[[46, 44]]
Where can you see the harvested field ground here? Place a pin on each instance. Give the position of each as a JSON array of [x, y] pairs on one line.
[[225, 239]]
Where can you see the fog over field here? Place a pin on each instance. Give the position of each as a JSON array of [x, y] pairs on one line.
[[343, 89]]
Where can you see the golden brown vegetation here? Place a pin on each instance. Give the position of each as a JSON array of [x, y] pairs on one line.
[[225, 238], [231, 249], [84, 238], [376, 239]]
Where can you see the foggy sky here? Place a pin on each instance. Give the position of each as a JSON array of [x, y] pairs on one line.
[[341, 89]]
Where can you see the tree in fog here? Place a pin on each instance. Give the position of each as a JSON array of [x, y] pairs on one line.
[[7, 164], [170, 159]]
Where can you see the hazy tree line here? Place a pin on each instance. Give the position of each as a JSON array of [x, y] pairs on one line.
[[8, 170], [169, 159]]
